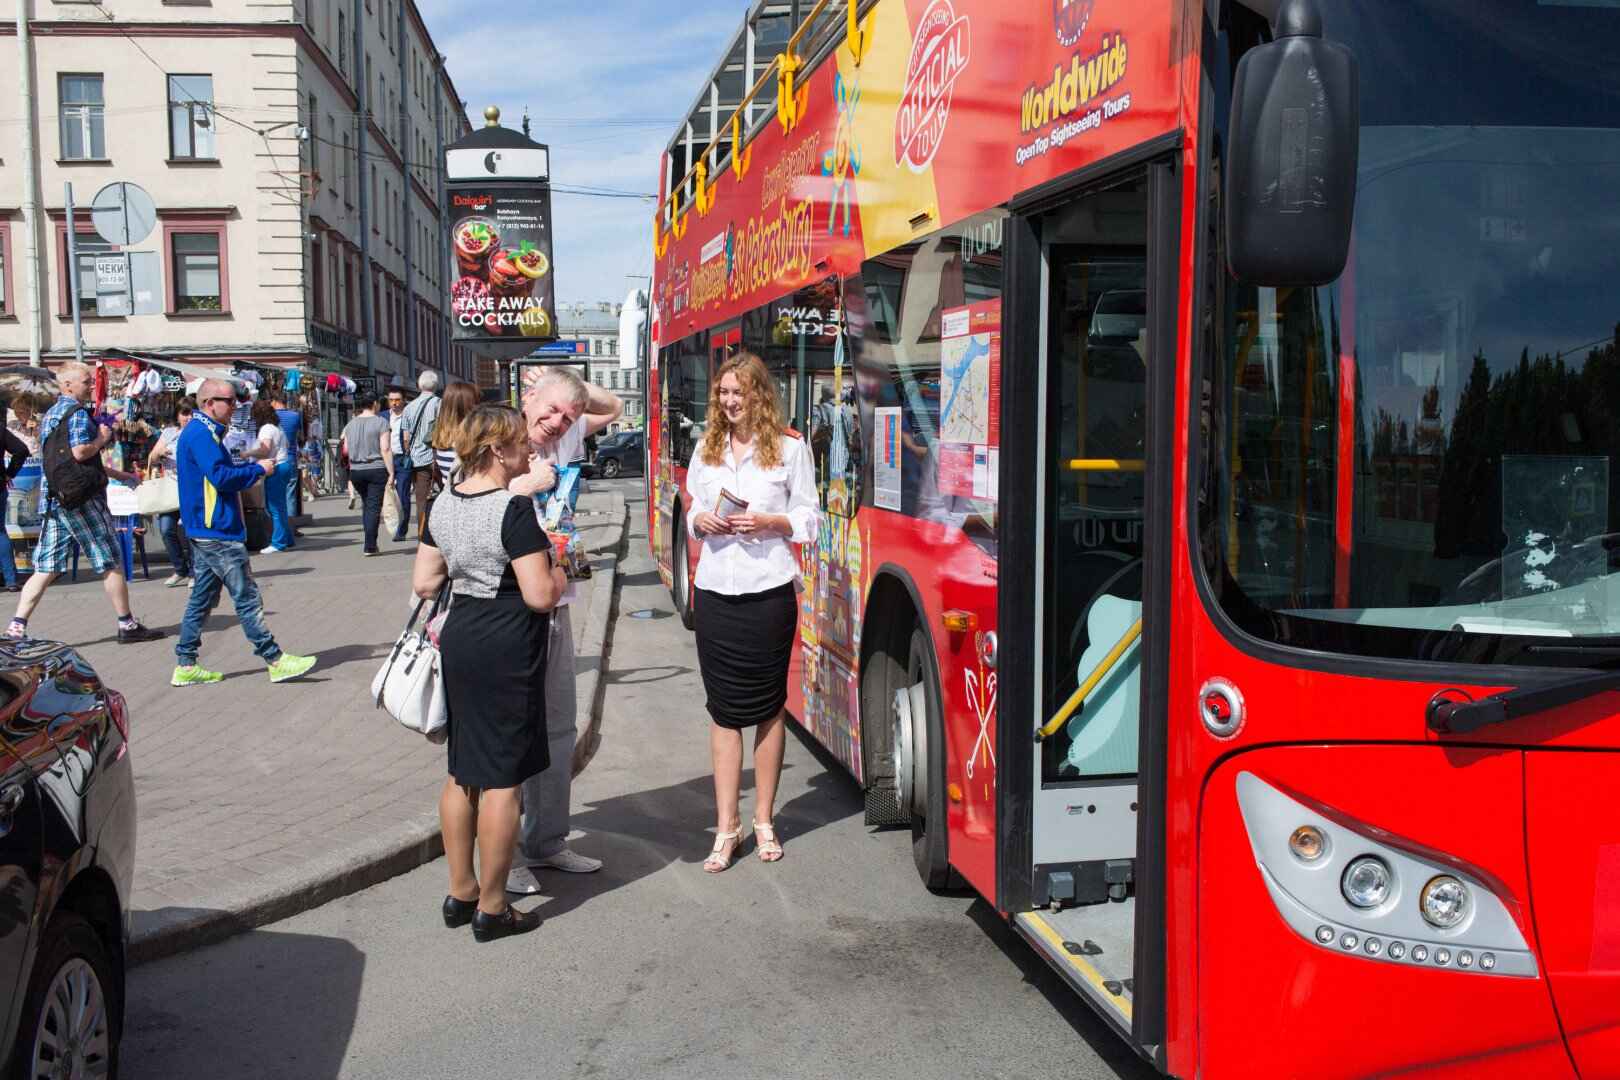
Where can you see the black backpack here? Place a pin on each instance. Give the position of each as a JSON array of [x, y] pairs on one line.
[[73, 482]]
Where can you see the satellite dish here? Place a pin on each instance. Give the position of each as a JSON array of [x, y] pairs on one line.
[[123, 213]]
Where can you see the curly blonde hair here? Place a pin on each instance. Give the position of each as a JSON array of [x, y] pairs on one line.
[[762, 416]]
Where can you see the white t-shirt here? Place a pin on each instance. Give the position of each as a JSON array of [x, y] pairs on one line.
[[277, 438]]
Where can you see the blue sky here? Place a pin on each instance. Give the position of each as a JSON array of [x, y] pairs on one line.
[[581, 63]]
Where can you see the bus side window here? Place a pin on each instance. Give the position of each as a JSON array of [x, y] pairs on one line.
[[835, 437], [688, 397]]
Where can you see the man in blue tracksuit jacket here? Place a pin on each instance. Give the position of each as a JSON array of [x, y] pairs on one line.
[[211, 510]]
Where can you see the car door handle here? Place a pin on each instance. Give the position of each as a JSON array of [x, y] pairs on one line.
[[11, 800]]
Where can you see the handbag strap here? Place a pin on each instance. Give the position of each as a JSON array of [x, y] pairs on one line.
[[439, 601]]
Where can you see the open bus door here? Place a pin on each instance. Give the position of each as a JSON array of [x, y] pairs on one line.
[[1079, 860]]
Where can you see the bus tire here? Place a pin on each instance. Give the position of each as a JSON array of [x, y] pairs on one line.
[[681, 575], [930, 837]]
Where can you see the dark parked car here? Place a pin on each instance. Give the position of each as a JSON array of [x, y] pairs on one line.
[[621, 454], [67, 855]]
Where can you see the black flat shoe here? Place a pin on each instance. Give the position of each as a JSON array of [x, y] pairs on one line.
[[458, 912], [507, 923]]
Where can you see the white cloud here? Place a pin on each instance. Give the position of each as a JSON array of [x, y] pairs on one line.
[[639, 63]]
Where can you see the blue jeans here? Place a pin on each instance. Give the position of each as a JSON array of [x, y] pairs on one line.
[[216, 564], [174, 541], [402, 486], [277, 489], [8, 557]]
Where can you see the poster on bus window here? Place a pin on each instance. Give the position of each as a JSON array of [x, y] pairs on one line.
[[886, 491], [970, 400]]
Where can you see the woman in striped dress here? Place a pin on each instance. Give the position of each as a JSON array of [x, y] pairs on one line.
[[460, 399]]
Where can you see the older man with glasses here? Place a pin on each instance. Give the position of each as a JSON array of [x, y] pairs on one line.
[[86, 528], [211, 509]]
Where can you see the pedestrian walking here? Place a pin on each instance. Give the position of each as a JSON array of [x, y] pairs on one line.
[[371, 465], [275, 448], [310, 467], [559, 412], [460, 399], [487, 544], [291, 422], [17, 454], [753, 494], [416, 435], [211, 509], [162, 462], [396, 443], [73, 499]]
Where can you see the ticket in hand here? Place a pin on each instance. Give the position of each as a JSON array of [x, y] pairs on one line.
[[728, 505]]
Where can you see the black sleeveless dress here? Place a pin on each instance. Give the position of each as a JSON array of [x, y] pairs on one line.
[[493, 648]]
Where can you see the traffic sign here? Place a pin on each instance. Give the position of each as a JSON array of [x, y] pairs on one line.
[[123, 213]]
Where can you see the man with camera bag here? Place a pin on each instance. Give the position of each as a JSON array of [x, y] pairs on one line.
[[73, 497]]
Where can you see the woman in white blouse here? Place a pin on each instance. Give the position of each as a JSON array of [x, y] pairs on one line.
[[753, 494]]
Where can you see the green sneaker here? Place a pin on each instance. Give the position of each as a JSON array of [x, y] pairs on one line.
[[193, 675], [288, 666]]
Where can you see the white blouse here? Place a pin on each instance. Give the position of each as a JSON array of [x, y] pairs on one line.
[[739, 565]]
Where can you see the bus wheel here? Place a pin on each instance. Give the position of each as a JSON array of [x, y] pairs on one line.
[[919, 761], [682, 574]]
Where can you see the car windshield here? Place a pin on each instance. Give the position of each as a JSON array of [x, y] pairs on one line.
[[1419, 460]]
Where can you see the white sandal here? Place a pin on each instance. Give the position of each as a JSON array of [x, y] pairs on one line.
[[719, 859], [770, 848]]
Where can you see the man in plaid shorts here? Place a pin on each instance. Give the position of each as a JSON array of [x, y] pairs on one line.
[[88, 527]]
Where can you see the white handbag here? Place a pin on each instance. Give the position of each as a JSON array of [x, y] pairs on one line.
[[158, 495], [410, 684]]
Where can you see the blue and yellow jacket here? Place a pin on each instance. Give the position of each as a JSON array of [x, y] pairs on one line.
[[209, 482]]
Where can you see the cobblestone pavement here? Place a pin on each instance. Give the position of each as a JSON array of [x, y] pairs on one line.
[[258, 800]]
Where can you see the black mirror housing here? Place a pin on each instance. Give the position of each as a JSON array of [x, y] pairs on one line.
[[1292, 153]]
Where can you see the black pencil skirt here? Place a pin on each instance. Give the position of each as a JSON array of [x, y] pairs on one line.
[[744, 646]]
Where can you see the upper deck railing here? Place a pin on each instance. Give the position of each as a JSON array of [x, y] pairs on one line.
[[780, 40]]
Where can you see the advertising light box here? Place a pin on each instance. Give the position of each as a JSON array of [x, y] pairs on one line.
[[501, 272]]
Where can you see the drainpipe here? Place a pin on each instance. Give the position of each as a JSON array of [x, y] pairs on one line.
[[405, 131], [443, 329], [30, 199], [368, 316]]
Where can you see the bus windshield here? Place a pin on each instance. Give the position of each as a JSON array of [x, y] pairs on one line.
[[1419, 461]]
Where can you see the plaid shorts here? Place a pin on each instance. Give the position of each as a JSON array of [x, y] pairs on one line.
[[89, 527]]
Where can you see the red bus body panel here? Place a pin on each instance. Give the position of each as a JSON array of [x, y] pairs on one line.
[[935, 124]]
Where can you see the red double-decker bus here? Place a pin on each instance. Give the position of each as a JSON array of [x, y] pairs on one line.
[[1214, 404]]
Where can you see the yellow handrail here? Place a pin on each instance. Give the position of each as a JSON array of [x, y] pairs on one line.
[[1105, 465], [1097, 675], [765, 76]]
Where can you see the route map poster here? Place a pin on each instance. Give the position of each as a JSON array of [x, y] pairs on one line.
[[970, 400]]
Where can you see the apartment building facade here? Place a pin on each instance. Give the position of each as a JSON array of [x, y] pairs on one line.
[[292, 151]]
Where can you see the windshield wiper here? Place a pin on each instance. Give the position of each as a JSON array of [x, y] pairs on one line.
[[1449, 717]]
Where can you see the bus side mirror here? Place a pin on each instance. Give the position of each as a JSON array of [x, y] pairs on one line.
[[1292, 154]]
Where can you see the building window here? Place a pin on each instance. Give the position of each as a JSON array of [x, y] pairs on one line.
[[89, 246], [317, 292], [348, 171], [313, 128], [343, 44], [374, 201], [84, 125], [196, 279], [332, 142], [5, 271], [191, 123], [613, 380]]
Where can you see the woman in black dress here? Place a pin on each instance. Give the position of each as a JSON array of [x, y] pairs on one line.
[[488, 545]]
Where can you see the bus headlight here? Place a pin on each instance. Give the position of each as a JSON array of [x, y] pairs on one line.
[[1367, 882], [1444, 902]]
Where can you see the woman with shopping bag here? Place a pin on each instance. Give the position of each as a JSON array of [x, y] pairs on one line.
[[159, 498], [371, 464], [489, 546]]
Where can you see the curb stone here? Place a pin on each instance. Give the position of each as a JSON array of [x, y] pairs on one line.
[[332, 874]]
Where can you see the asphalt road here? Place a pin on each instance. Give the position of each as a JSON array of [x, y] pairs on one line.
[[832, 963]]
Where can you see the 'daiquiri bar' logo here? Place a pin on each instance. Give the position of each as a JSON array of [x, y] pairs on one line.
[[1069, 18], [939, 55]]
